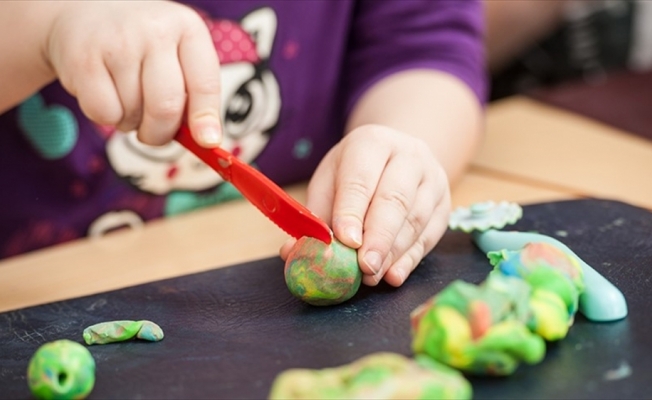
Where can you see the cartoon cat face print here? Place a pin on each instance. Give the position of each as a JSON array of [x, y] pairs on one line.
[[158, 169], [250, 107]]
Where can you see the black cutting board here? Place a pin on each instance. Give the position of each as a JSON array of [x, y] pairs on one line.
[[230, 331]]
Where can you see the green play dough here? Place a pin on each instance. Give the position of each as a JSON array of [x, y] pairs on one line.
[[62, 369], [119, 331], [381, 375], [322, 274]]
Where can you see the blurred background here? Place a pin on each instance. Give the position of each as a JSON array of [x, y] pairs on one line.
[[538, 44]]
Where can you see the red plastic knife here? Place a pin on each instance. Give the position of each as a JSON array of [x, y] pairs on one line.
[[287, 213]]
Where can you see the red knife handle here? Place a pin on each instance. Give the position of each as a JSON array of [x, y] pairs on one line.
[[216, 158]]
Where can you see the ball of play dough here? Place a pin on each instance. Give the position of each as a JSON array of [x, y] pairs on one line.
[[62, 369], [322, 274]]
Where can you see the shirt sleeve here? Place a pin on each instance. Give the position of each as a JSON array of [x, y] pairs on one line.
[[389, 36]]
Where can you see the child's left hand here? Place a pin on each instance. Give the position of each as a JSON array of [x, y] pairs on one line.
[[386, 195]]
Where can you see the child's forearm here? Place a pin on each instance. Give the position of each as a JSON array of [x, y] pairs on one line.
[[23, 37], [431, 105]]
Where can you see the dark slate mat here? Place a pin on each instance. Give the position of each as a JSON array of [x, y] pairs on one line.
[[230, 331]]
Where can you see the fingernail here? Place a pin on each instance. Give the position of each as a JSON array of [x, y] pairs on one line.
[[355, 235], [401, 275], [373, 261], [211, 135]]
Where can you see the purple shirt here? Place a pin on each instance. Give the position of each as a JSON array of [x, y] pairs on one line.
[[291, 71]]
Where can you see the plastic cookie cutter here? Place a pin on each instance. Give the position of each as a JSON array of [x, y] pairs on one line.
[[601, 301]]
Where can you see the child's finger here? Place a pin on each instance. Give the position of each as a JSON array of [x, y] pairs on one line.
[[126, 68], [284, 251], [201, 69], [390, 212], [319, 197], [164, 96], [396, 218], [361, 164], [96, 94], [406, 263]]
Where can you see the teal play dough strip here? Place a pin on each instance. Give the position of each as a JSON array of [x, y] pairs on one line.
[[119, 331], [601, 301]]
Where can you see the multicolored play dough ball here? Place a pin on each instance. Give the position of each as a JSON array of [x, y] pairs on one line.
[[322, 274], [62, 369]]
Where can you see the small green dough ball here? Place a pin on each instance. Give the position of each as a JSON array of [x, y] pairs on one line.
[[62, 369], [322, 274]]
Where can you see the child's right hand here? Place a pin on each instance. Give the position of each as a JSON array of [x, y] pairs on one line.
[[138, 65]]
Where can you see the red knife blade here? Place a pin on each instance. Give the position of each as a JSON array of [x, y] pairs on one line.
[[287, 213]]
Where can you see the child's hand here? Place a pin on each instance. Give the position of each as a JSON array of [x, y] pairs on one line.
[[386, 195], [138, 65]]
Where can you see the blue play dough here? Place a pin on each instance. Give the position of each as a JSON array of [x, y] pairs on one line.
[[601, 301], [52, 130]]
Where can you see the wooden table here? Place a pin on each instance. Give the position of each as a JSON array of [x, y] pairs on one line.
[[532, 153]]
